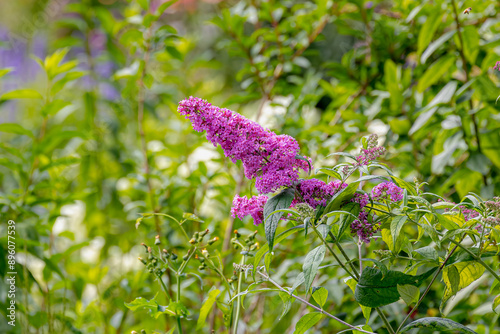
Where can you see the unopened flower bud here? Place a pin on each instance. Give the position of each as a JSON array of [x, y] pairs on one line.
[[204, 233], [213, 240], [192, 241], [145, 246], [149, 249], [157, 240], [204, 252], [237, 234], [186, 257], [142, 260], [174, 257], [133, 332]]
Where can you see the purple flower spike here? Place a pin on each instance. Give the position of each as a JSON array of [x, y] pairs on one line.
[[387, 190], [254, 206], [315, 192], [266, 156]]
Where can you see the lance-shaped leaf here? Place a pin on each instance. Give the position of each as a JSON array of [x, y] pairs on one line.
[[307, 321], [278, 202], [311, 264], [468, 272], [375, 289], [438, 324]]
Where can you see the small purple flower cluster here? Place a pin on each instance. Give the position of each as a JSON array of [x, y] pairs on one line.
[[316, 192], [368, 154], [266, 156], [387, 190], [371, 152], [362, 226], [254, 206], [497, 66]]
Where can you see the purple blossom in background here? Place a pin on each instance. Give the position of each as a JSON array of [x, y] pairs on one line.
[[387, 190], [371, 152], [253, 206], [267, 157], [315, 192], [497, 66]]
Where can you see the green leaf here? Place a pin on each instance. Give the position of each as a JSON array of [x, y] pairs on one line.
[[265, 248], [206, 307], [53, 107], [272, 218], [351, 283], [307, 321], [21, 94], [397, 224], [15, 128], [267, 261], [435, 72], [5, 71], [428, 252], [299, 280], [496, 302], [436, 44], [331, 172], [451, 278], [468, 271], [340, 197], [409, 293], [374, 289], [437, 324], [311, 264], [152, 306], [428, 29], [320, 296], [287, 303], [405, 185], [192, 217]]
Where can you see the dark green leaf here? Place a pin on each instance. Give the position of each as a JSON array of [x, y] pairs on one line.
[[278, 202], [438, 324], [375, 289]]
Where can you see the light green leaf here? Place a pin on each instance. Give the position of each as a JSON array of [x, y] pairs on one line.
[[21, 94], [428, 29], [436, 44], [320, 296], [15, 128], [206, 307], [351, 283], [397, 224], [307, 321], [435, 72], [311, 264], [409, 293]]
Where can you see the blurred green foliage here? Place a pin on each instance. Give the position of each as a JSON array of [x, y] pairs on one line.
[[90, 138]]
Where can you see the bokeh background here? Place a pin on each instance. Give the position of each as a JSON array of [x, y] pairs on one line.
[[90, 137]]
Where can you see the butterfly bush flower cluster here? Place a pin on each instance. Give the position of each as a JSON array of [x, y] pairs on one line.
[[387, 190], [493, 210], [368, 154], [316, 192], [254, 206], [268, 158]]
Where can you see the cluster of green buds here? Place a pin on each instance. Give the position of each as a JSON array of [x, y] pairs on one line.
[[153, 262], [198, 237], [383, 253], [250, 244]]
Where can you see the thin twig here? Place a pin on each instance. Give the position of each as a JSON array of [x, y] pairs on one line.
[[311, 305]]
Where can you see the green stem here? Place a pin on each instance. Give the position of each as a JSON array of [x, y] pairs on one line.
[[384, 319], [178, 298], [331, 250], [356, 277], [428, 287], [164, 286], [478, 259], [238, 300]]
